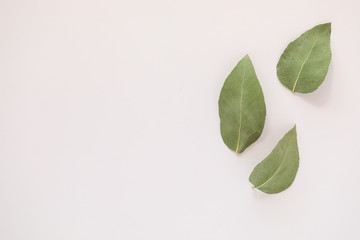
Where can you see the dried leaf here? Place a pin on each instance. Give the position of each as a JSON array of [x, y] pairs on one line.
[[278, 170], [241, 107], [305, 62]]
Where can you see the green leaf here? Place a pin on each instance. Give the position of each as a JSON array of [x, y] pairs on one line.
[[241, 107], [278, 170], [305, 62]]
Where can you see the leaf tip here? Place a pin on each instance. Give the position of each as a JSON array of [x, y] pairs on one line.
[[327, 25]]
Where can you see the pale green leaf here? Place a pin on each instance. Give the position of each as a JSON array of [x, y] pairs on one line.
[[278, 170], [241, 107], [305, 62]]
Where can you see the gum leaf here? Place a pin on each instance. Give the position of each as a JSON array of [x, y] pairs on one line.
[[241, 107], [305, 62], [278, 170]]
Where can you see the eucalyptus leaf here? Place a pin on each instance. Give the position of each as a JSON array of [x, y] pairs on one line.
[[278, 170], [305, 62], [241, 107]]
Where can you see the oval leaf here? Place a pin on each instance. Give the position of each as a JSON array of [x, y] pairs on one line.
[[305, 62], [241, 107], [278, 170]]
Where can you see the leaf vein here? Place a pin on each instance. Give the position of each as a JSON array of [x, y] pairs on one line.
[[302, 65], [241, 99], [277, 170]]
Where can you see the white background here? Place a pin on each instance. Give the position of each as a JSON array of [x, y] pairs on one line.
[[109, 124]]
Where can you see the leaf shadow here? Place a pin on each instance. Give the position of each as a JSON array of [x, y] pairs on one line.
[[257, 194], [320, 96]]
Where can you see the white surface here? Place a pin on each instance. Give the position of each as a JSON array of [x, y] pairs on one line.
[[109, 123]]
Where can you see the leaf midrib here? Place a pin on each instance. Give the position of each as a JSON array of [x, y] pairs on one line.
[[241, 99], [302, 66], [277, 170]]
